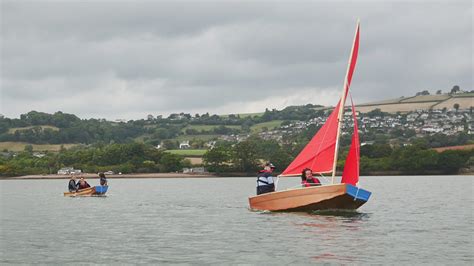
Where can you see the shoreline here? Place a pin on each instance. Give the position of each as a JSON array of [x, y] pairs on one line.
[[123, 176], [181, 175]]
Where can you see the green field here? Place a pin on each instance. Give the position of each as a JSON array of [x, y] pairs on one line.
[[14, 129], [424, 102], [189, 152], [426, 98], [246, 115], [20, 146], [270, 125], [195, 137], [468, 94], [208, 127]]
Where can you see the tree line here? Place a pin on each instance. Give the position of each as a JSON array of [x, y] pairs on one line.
[[416, 158], [71, 129], [226, 157], [125, 158]]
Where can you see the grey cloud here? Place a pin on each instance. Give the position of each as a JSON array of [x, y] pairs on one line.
[[127, 59]]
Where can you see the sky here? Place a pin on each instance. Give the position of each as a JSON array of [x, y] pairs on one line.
[[127, 59]]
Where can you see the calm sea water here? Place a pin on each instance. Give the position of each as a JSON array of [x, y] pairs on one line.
[[408, 220]]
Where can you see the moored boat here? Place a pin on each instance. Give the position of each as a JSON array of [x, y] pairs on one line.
[[320, 155], [91, 191]]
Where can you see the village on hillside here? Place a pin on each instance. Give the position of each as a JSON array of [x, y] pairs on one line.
[[417, 116], [416, 123]]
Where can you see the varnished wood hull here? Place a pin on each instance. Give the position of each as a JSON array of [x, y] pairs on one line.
[[330, 197], [92, 191]]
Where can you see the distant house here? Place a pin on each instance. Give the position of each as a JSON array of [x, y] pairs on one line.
[[69, 171], [211, 144], [158, 146], [6, 154], [367, 143], [65, 170], [412, 117], [38, 154], [194, 170], [184, 145]]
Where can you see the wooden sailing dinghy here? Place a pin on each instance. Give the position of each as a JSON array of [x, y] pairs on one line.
[[91, 191], [320, 155]]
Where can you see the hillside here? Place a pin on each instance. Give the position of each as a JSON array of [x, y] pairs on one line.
[[50, 131], [420, 102]]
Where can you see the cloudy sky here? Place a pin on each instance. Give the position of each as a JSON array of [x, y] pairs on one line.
[[127, 59]]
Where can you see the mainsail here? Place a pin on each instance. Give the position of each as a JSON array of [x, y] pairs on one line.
[[320, 154], [350, 175]]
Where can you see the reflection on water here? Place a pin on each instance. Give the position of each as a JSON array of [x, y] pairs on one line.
[[333, 219], [354, 214]]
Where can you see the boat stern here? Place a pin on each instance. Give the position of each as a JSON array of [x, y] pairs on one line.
[[358, 193], [101, 189]]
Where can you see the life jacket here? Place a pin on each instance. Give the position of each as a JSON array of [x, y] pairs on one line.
[[263, 178], [86, 185], [311, 181]]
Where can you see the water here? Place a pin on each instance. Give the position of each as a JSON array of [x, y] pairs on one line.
[[408, 220]]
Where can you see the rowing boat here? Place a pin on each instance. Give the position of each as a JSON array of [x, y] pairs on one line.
[[91, 191]]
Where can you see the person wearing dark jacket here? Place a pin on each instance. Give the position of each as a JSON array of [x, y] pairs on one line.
[[265, 182], [103, 180], [308, 180], [72, 184], [82, 184]]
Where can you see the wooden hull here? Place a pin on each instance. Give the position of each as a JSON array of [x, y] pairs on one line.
[[330, 197], [92, 191]]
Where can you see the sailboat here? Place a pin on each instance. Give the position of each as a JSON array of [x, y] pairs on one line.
[[320, 155]]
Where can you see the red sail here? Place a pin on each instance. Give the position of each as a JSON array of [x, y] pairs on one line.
[[318, 155], [351, 169], [352, 61]]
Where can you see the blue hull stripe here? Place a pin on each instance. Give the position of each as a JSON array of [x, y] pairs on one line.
[[101, 189], [358, 193]]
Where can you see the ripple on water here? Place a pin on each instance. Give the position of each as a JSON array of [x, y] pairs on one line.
[[207, 221]]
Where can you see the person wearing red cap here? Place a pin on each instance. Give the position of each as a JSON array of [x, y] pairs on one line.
[[265, 182]]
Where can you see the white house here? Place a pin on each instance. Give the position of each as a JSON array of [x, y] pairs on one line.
[[184, 145], [65, 170]]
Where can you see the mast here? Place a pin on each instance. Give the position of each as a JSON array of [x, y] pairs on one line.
[[343, 100]]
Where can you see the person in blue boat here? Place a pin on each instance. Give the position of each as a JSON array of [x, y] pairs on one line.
[[265, 182], [72, 184], [82, 184], [308, 180], [103, 179]]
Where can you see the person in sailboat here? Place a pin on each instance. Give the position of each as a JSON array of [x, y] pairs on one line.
[[265, 182], [308, 180]]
